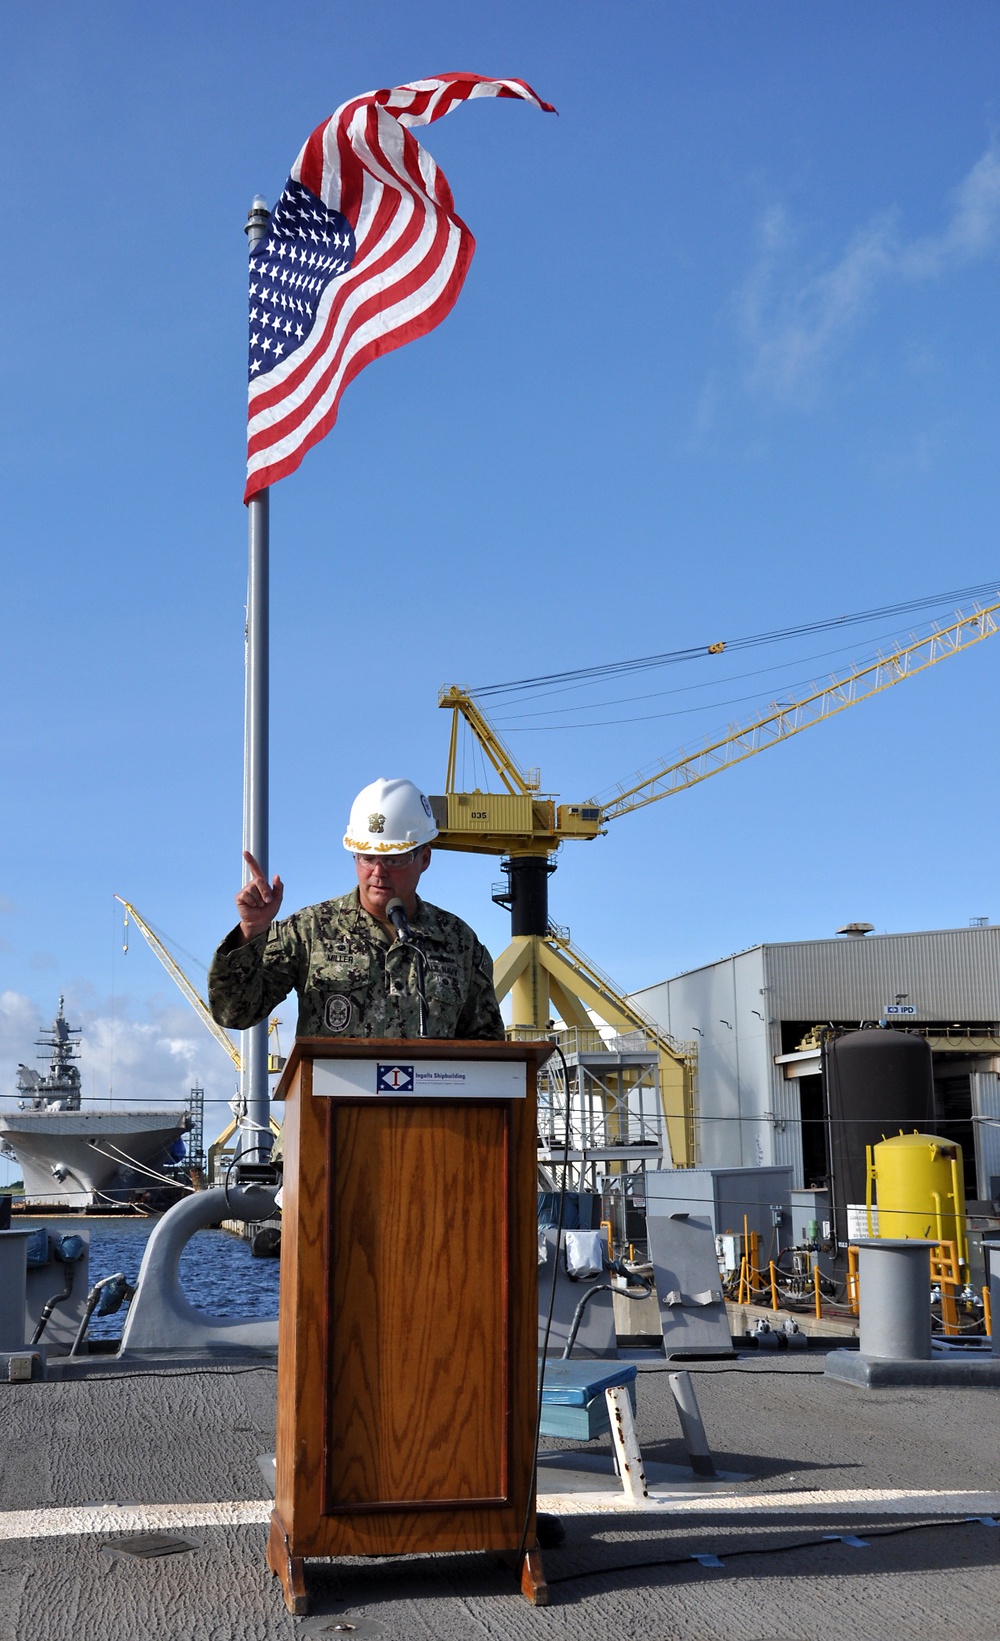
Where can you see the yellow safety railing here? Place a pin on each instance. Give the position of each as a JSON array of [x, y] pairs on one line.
[[946, 1272], [751, 1280], [853, 1288]]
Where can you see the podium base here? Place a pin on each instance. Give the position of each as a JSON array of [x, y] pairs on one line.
[[533, 1585], [291, 1571]]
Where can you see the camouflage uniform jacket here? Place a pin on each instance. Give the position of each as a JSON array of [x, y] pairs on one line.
[[352, 980]]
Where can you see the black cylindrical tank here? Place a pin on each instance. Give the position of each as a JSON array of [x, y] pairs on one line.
[[528, 876], [877, 1083]]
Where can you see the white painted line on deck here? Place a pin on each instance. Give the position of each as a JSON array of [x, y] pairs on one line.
[[73, 1520], [892, 1501]]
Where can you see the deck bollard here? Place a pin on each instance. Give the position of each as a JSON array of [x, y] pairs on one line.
[[894, 1279]]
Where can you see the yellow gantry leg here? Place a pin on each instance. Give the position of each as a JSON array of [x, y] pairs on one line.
[[541, 975], [520, 971]]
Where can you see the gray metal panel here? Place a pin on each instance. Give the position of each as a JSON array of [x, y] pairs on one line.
[[688, 1286], [949, 974], [753, 1192], [723, 1196], [680, 1190]]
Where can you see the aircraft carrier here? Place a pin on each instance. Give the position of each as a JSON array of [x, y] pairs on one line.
[[79, 1157]]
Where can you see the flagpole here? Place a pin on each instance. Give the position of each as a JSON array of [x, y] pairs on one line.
[[255, 1106]]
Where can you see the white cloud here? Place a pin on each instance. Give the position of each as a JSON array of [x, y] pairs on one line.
[[154, 1061], [973, 230], [796, 321], [18, 1027]]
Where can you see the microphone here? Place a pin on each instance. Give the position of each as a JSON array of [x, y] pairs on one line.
[[396, 912]]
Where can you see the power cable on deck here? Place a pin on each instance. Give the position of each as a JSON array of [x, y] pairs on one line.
[[769, 1549]]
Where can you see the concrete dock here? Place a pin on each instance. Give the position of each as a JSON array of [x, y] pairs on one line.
[[840, 1511]]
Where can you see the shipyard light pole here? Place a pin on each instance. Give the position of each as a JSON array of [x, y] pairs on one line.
[[254, 1100]]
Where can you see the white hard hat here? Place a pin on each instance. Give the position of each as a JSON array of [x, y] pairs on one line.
[[389, 817]]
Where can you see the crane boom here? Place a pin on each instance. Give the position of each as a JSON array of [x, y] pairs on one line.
[[791, 719], [523, 822], [177, 974]]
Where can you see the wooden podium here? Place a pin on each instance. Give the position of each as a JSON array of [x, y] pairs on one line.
[[407, 1357]]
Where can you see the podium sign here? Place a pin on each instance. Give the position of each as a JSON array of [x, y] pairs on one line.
[[464, 1079], [407, 1364]]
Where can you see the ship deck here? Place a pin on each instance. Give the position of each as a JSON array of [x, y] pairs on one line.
[[852, 1516]]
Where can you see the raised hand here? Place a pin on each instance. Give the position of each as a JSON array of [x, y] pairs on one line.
[[258, 902]]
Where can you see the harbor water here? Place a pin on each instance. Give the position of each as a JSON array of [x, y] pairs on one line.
[[218, 1272]]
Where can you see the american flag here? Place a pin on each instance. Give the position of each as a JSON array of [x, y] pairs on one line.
[[364, 252]]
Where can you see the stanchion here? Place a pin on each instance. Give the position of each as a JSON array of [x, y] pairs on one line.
[[894, 1278]]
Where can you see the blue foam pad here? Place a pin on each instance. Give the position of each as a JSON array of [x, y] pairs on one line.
[[574, 1384]]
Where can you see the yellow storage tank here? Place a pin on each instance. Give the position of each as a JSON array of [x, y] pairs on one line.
[[919, 1189]]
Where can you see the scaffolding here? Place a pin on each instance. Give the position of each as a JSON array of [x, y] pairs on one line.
[[615, 1114], [194, 1142]]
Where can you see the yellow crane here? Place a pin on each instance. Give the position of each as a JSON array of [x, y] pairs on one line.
[[540, 968], [201, 1008]]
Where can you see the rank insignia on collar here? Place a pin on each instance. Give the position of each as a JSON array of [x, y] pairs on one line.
[[376, 823]]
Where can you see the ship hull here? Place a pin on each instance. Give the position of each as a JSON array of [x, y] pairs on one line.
[[70, 1158]]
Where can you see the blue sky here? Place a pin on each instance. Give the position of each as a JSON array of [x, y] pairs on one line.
[[726, 361]]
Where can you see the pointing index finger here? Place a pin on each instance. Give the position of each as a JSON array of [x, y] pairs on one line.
[[256, 871]]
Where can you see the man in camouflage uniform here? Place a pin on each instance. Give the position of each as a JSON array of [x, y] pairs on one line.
[[354, 975]]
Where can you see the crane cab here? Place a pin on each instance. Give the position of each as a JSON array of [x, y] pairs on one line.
[[577, 820]]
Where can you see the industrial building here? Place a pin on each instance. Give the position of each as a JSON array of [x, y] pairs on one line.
[[758, 1017]]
